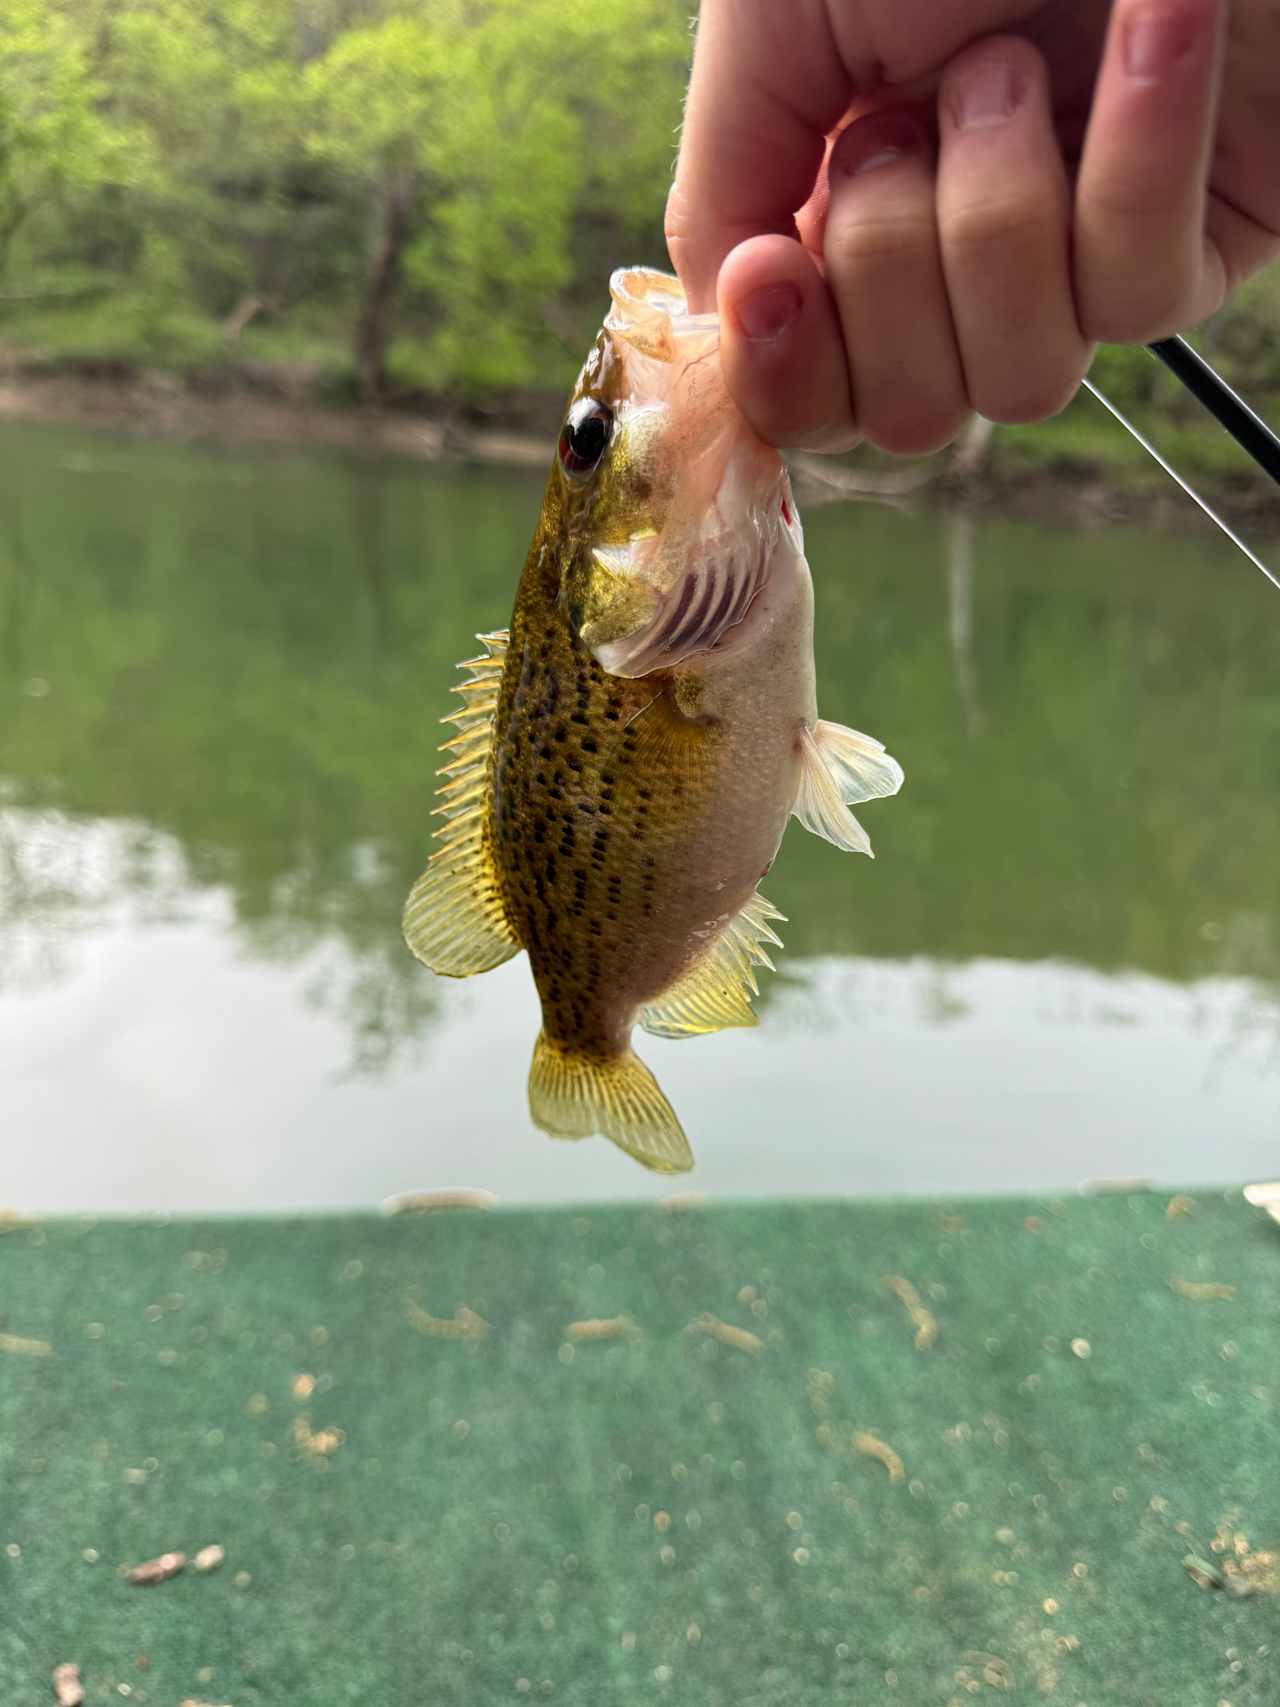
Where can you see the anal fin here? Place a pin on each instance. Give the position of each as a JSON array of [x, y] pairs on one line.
[[715, 993], [454, 920]]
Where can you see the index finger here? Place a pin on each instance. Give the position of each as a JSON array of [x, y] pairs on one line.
[[767, 86]]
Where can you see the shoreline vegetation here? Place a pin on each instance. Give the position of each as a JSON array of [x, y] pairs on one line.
[[389, 224], [1080, 465]]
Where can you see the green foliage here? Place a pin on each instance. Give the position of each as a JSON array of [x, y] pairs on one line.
[[59, 141], [169, 167], [198, 158]]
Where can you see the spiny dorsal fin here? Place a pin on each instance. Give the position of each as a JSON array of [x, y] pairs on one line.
[[573, 1095], [454, 919], [839, 766], [715, 993]]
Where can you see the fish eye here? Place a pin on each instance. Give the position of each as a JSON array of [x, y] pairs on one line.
[[585, 437]]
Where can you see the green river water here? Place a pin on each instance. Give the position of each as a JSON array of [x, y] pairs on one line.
[[220, 679]]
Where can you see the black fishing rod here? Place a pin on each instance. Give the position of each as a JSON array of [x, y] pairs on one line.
[[1249, 431], [1209, 389]]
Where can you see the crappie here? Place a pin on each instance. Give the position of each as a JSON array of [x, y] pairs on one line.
[[628, 754]]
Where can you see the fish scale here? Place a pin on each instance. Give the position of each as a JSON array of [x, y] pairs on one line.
[[581, 825]]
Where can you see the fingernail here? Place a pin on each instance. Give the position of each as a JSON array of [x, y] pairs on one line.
[[1155, 39], [768, 313], [879, 141], [986, 97]]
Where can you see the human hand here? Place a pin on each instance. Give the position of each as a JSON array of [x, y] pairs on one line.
[[992, 205]]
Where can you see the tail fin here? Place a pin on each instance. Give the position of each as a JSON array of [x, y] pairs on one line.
[[573, 1095]]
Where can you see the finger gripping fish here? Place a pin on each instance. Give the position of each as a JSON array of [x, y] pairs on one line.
[[628, 754]]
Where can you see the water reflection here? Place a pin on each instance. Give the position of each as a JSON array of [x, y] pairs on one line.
[[219, 679]]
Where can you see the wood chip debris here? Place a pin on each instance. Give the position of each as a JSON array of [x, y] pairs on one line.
[[926, 1323], [990, 1668], [1238, 1567], [209, 1558], [1203, 1573], [464, 1324], [156, 1570], [1230, 1580], [427, 1202], [68, 1691], [21, 1347], [1199, 1290], [602, 1328], [739, 1338], [316, 1443], [873, 1447], [676, 1201], [1265, 1195], [1178, 1205]]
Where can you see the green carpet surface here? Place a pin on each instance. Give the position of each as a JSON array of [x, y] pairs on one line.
[[964, 1457]]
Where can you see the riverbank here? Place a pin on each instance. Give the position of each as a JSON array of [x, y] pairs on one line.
[[1082, 464]]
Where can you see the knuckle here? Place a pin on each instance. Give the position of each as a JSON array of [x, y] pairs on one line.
[[913, 433], [1015, 401], [975, 227], [867, 245], [1149, 199], [1153, 311]]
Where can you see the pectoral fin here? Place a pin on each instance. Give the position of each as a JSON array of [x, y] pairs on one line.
[[715, 993], [839, 766], [454, 920]]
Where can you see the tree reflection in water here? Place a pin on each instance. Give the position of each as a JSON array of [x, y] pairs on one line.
[[220, 674]]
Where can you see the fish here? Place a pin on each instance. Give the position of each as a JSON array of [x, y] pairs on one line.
[[630, 749]]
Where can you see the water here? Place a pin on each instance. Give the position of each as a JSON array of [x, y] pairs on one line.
[[220, 675]]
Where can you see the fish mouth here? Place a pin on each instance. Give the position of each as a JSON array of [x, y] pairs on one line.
[[721, 500], [649, 310]]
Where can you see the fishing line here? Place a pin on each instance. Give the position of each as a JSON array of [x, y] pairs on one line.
[[1219, 389]]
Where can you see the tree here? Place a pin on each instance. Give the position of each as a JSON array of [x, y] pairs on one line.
[[373, 102], [58, 144]]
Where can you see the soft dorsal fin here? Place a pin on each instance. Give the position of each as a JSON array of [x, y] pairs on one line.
[[839, 767], [454, 919], [715, 993]]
